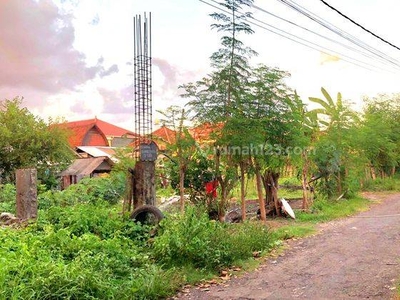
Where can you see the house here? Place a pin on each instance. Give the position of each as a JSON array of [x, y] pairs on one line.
[[163, 137], [97, 151], [206, 133], [94, 142], [95, 132], [85, 167]]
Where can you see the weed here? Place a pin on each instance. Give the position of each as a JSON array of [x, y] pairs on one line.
[[292, 231], [7, 198], [382, 184], [324, 210], [192, 239]]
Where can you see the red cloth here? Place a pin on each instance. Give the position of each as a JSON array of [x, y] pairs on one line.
[[211, 188]]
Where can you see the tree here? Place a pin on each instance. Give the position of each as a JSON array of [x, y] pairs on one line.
[[277, 110], [379, 136], [214, 99], [28, 141], [254, 105], [307, 125], [184, 146], [333, 147]]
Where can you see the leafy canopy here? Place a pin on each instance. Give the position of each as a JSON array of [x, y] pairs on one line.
[[28, 141]]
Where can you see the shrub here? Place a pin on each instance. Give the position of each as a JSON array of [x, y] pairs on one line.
[[59, 265], [156, 283], [83, 252], [246, 238], [88, 190], [381, 184], [99, 219], [192, 239], [7, 198]]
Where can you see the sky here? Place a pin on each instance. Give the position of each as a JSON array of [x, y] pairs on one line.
[[73, 58]]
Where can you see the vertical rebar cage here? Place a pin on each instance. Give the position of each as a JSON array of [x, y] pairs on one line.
[[142, 79]]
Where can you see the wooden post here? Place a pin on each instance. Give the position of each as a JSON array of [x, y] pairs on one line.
[[26, 193]]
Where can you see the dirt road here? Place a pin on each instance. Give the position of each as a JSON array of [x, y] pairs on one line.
[[353, 258]]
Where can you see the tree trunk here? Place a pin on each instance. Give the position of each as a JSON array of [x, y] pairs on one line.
[[222, 183], [271, 184], [304, 174], [339, 177], [261, 200], [268, 190], [373, 173], [274, 182], [304, 185], [222, 202], [127, 205], [242, 189], [226, 183], [182, 188]]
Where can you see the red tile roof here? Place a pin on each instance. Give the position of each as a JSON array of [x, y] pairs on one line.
[[107, 128], [93, 132], [163, 136], [206, 132], [85, 135], [166, 134]]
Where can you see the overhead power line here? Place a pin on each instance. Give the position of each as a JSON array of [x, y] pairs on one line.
[[318, 34], [298, 8], [300, 40], [359, 25]]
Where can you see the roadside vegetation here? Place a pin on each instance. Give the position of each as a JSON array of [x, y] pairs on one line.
[[81, 247], [264, 144], [84, 248]]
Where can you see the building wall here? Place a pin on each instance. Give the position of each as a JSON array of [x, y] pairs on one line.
[[94, 138]]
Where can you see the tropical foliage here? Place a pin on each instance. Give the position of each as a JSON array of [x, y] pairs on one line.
[[28, 141]]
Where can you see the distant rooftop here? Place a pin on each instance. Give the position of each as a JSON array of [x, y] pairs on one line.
[[107, 128]]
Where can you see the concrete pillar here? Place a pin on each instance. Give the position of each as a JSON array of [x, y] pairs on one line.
[[26, 193], [144, 188]]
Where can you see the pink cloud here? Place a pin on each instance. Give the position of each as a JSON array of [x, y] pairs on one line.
[[173, 77], [169, 72], [117, 102], [36, 48]]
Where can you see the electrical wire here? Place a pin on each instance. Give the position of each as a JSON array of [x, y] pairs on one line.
[[295, 37], [300, 9], [362, 27], [303, 42], [318, 34], [293, 5]]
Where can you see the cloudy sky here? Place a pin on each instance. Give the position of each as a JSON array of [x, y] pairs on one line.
[[73, 58]]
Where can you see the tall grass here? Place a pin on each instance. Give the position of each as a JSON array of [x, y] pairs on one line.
[[88, 251], [81, 253], [192, 239], [382, 184]]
